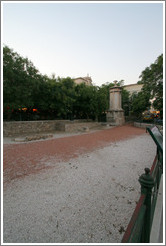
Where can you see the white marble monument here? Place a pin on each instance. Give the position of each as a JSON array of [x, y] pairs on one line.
[[115, 114]]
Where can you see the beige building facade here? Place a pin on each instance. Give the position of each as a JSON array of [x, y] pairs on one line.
[[86, 80], [133, 88]]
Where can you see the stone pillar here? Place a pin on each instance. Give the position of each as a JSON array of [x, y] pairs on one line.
[[115, 114]]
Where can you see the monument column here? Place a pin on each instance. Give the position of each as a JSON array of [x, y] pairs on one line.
[[115, 114]]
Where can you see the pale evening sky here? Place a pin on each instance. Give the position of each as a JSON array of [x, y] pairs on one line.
[[107, 40]]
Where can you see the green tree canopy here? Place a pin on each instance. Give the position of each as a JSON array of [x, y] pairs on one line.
[[152, 80], [19, 78], [25, 87], [139, 103]]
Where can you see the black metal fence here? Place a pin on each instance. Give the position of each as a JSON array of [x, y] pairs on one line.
[[139, 227]]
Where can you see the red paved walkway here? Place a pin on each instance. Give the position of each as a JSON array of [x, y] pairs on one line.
[[25, 159]]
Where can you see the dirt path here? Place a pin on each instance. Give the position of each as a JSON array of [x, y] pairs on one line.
[[29, 158], [86, 199]]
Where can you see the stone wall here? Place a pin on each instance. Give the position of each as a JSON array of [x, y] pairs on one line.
[[142, 125], [24, 127], [82, 126], [15, 128]]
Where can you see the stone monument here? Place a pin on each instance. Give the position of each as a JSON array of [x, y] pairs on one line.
[[115, 114]]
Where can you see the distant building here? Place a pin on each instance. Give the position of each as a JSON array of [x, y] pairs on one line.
[[133, 88], [86, 80]]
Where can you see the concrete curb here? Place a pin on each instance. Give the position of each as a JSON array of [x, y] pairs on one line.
[[157, 225], [142, 125]]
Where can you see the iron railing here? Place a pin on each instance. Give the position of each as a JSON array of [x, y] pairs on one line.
[[139, 227]]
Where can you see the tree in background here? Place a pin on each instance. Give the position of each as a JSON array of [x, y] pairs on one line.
[[65, 97], [139, 102], [19, 78], [85, 106], [152, 80], [102, 102], [125, 101], [60, 98]]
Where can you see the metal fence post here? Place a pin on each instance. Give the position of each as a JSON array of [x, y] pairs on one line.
[[147, 183]]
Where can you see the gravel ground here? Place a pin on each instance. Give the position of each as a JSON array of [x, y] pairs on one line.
[[86, 199]]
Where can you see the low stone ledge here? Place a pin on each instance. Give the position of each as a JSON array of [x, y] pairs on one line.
[[142, 125], [84, 126], [17, 128]]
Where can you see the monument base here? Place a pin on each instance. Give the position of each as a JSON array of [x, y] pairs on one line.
[[115, 117]]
